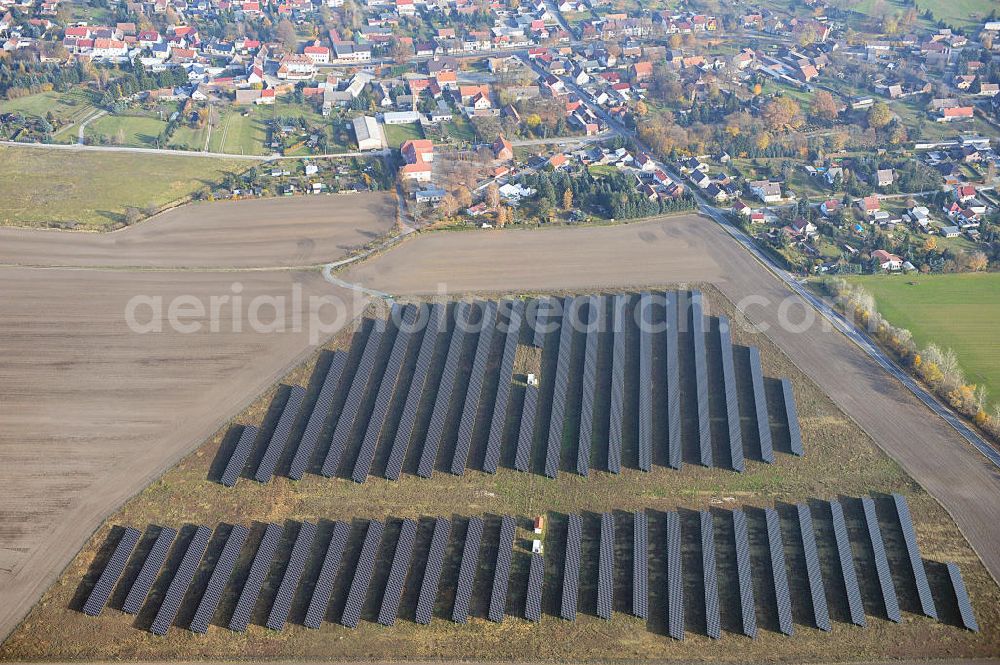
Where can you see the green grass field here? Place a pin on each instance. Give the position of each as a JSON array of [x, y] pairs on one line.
[[396, 135], [960, 13], [68, 107], [39, 186], [238, 134], [129, 130], [957, 311]]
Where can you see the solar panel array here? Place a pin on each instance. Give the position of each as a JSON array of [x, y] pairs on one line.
[[589, 395], [408, 418], [314, 426], [713, 620], [779, 574], [701, 379], [792, 416], [432, 571], [501, 573], [293, 575], [846, 559], [526, 431], [557, 419], [149, 571], [279, 438], [504, 381], [606, 566], [255, 580], [474, 390], [442, 402], [467, 570], [762, 421], [748, 611], [217, 582], [113, 569], [821, 613], [640, 565], [543, 309], [241, 453], [913, 552], [645, 382], [386, 390], [889, 599], [617, 385], [675, 578], [536, 580], [962, 598], [673, 384], [732, 400], [320, 600], [171, 604], [397, 573], [362, 575], [571, 569], [352, 405]]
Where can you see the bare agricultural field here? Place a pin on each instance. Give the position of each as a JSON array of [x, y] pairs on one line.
[[260, 233], [840, 461]]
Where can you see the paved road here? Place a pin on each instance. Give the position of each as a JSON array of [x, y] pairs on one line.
[[83, 125]]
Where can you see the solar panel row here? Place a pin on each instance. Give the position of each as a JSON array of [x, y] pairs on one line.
[[320, 600], [474, 389], [362, 575], [701, 379], [504, 380], [747, 606], [349, 414], [589, 393], [645, 382], [640, 565], [386, 391], [178, 587], [889, 599], [317, 419], [442, 402], [571, 569], [916, 561], [217, 582], [557, 418], [113, 569], [526, 432], [241, 453], [282, 604], [710, 575], [962, 598], [618, 360], [418, 384], [501, 573], [732, 400], [606, 566], [149, 571], [792, 417], [432, 571], [536, 579], [762, 421], [467, 570], [397, 573], [846, 559], [814, 575], [255, 580], [675, 578], [673, 384], [279, 438], [543, 309], [779, 575]]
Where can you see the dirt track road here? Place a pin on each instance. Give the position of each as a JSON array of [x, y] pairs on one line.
[[690, 249], [262, 233]]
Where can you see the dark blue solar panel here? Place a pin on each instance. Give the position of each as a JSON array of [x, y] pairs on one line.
[[748, 610], [673, 384], [397, 573], [618, 360], [526, 432], [640, 565], [501, 573], [536, 579], [217, 582], [293, 575], [362, 575], [779, 574], [760, 407], [675, 578], [474, 389], [557, 420], [467, 570], [701, 379], [645, 382], [817, 591], [732, 400], [916, 561], [181, 581], [962, 598], [606, 567], [504, 380], [713, 623], [279, 438], [596, 307], [241, 453], [543, 311], [889, 598], [149, 571], [255, 580], [846, 559], [792, 417], [320, 600], [320, 411], [571, 569], [113, 569], [432, 572]]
